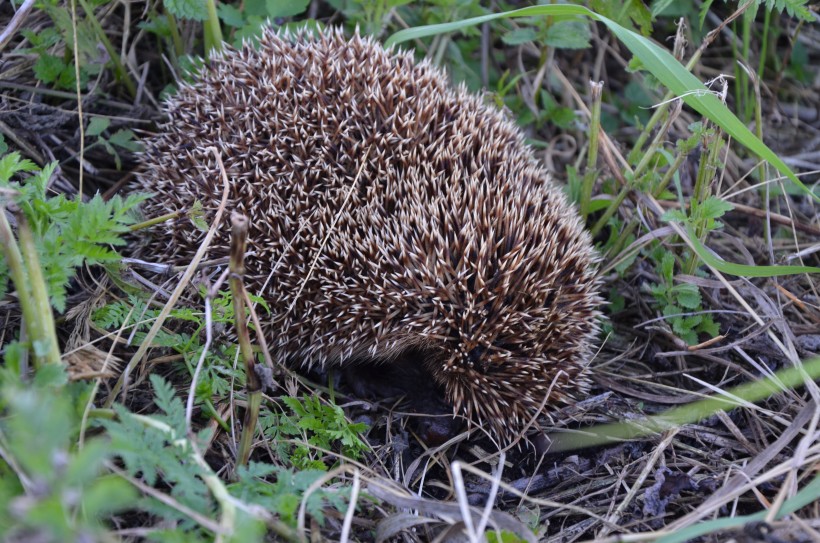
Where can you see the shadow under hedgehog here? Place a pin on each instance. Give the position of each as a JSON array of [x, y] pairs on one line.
[[433, 228]]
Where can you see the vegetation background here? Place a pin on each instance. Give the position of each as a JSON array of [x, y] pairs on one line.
[[125, 417]]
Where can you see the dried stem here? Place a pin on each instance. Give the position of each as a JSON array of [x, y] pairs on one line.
[[591, 173], [239, 237]]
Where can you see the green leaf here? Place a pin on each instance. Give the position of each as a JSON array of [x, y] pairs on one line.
[[519, 36], [97, 126], [166, 400], [659, 6], [673, 311], [568, 35], [674, 215], [668, 267], [196, 10], [688, 296], [230, 15], [108, 495], [285, 8], [503, 536], [709, 326], [713, 207], [743, 270], [690, 337], [68, 233], [795, 8], [51, 375], [87, 462], [48, 68], [197, 216], [657, 60], [11, 164], [126, 139]]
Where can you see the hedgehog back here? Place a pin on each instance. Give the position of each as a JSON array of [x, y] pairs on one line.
[[435, 227]]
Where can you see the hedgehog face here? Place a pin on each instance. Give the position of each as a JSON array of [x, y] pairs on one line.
[[505, 390]]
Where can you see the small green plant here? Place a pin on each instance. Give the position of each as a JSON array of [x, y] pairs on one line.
[[50, 490], [680, 303], [68, 233], [323, 427], [185, 338], [123, 139], [51, 69], [75, 38], [286, 494], [156, 448]]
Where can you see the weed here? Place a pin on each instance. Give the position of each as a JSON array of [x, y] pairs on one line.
[[681, 303], [122, 139], [323, 426], [48, 489]]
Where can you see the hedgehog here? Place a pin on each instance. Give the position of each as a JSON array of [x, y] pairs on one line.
[[390, 213]]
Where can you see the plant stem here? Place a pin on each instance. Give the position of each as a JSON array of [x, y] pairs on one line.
[[677, 107], [613, 207], [156, 220], [701, 191], [254, 402], [764, 47], [239, 236], [660, 111], [670, 172], [746, 22], [45, 346], [592, 157], [18, 276], [119, 68], [176, 39], [212, 29]]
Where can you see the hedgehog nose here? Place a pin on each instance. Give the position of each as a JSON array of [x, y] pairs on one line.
[[475, 355]]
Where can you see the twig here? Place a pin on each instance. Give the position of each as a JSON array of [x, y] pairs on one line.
[[263, 343], [239, 237], [463, 504], [488, 507], [209, 336], [351, 508], [15, 23], [197, 517], [78, 90]]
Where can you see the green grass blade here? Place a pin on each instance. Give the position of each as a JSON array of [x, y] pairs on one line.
[[655, 59], [809, 494], [753, 391], [743, 270]]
